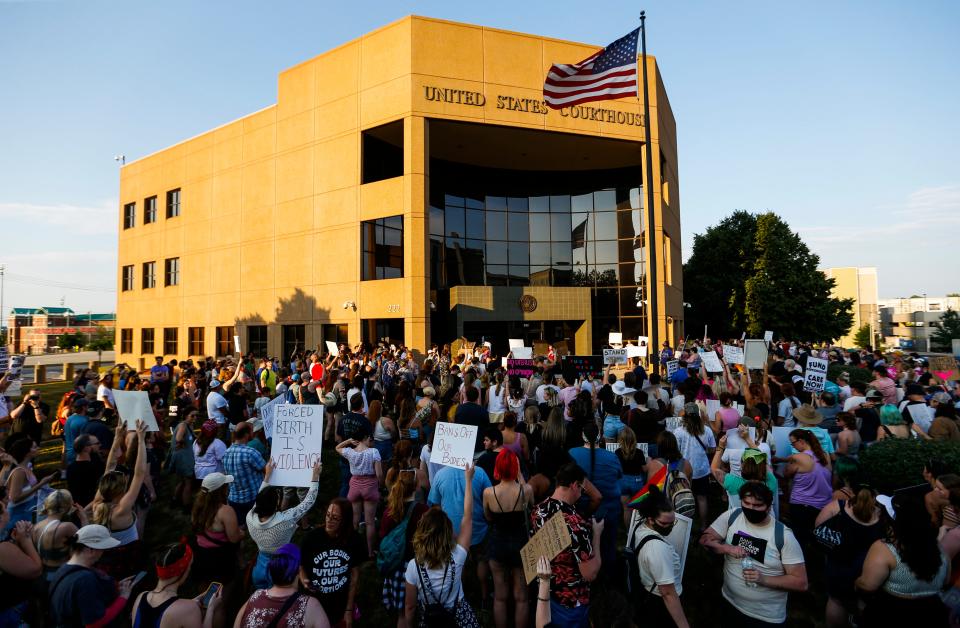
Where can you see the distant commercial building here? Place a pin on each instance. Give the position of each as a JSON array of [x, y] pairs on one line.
[[908, 323], [410, 184], [859, 284], [35, 330]]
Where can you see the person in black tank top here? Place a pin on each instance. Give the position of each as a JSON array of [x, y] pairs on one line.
[[173, 569]]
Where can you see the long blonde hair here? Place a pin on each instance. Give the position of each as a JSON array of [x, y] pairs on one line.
[[433, 541], [111, 487], [205, 507], [628, 443]]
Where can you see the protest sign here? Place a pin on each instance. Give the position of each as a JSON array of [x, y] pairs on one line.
[[733, 355], [236, 344], [643, 343], [615, 339], [550, 540], [679, 538], [944, 367], [520, 368], [513, 343], [267, 412], [332, 348], [453, 445], [781, 441], [713, 406], [768, 336], [614, 356], [540, 347], [133, 405], [297, 443], [633, 351], [15, 375], [815, 375], [921, 414], [739, 407], [711, 362], [672, 422], [613, 447], [672, 367], [524, 353], [735, 441], [584, 365], [754, 354]]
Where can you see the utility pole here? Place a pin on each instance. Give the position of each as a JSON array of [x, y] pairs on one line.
[[3, 319]]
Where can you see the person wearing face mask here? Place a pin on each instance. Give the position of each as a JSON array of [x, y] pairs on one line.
[[658, 563], [762, 560]]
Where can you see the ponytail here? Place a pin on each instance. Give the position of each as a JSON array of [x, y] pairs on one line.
[[811, 439], [864, 504]]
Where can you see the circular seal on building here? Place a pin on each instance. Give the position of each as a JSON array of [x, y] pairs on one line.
[[528, 303]]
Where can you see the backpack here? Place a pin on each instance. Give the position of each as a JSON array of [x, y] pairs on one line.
[[392, 547], [679, 491], [435, 614], [631, 566]]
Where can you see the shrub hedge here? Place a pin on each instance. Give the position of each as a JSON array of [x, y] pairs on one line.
[[856, 373], [892, 464]]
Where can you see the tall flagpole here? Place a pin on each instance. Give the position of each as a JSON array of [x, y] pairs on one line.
[[653, 322]]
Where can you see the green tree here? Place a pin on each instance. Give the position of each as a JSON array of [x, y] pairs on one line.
[[69, 341], [948, 330], [102, 341], [752, 273], [862, 338]]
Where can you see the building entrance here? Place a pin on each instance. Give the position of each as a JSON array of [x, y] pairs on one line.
[[497, 333]]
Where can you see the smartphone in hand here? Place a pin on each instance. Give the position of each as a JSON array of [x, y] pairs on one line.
[[209, 593]]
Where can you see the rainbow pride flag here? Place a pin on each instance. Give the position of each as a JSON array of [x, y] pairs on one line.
[[659, 480]]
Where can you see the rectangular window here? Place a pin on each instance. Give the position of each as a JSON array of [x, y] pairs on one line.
[[126, 341], [195, 336], [294, 338], [225, 340], [171, 272], [127, 279], [173, 203], [257, 339], [149, 275], [382, 248], [170, 340], [146, 341], [149, 210], [129, 215], [335, 333], [382, 152]]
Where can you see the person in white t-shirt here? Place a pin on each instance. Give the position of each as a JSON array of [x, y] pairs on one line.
[[105, 392], [755, 591], [858, 395], [657, 560]]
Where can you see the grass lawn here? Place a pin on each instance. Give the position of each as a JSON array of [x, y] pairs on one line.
[[702, 578]]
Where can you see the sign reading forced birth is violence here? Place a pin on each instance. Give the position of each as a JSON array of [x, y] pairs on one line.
[[453, 445], [297, 443]]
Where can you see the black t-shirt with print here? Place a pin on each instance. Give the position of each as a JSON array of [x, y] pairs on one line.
[[327, 563]]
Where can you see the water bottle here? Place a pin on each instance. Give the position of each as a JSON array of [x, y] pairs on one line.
[[747, 563]]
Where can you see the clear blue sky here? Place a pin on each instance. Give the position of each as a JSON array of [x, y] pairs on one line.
[[841, 117]]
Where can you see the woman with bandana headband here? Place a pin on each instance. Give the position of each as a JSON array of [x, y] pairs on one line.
[[161, 606]]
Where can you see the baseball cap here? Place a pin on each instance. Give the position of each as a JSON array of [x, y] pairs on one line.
[[96, 536], [874, 394], [215, 480]]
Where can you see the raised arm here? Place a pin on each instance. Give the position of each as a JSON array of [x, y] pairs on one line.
[[466, 522], [717, 461], [129, 498]]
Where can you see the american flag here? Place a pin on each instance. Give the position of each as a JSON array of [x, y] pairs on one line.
[[608, 74]]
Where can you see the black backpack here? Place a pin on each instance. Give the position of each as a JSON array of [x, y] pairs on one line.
[[631, 566], [435, 614]]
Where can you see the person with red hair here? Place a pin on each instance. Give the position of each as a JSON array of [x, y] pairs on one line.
[[504, 506]]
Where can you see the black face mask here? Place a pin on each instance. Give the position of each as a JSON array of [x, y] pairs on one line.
[[754, 516], [662, 530]]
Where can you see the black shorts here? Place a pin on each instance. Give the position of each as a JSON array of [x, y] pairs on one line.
[[700, 486]]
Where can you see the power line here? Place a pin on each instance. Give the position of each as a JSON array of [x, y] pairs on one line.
[[53, 283]]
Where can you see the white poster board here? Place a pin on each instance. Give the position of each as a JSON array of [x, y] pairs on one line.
[[754, 354], [614, 356], [732, 354], [921, 414], [15, 375], [332, 348], [453, 445], [513, 343], [672, 367], [711, 362], [734, 441], [768, 336], [236, 344], [713, 406], [781, 441], [297, 443], [633, 351], [523, 353], [133, 405], [643, 342], [672, 422], [613, 447], [815, 376], [615, 338], [267, 413], [679, 538]]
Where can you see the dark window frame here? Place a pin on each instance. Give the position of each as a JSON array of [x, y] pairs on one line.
[[150, 210], [260, 345], [171, 340], [126, 340], [378, 259], [149, 275], [195, 341], [173, 203], [171, 271], [147, 340], [129, 215], [126, 278], [224, 338]]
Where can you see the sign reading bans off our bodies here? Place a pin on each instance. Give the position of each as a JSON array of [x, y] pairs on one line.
[[297, 443], [453, 445]]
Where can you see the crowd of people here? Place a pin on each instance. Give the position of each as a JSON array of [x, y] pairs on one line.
[[623, 456]]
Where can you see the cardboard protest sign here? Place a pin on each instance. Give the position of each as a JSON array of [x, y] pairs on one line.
[[768, 336], [614, 356], [561, 348], [711, 362], [133, 405], [754, 354], [523, 353], [297, 443], [267, 412], [584, 365], [550, 540], [615, 338], [815, 376], [733, 355], [456, 347], [540, 347], [944, 367], [613, 447], [332, 348], [236, 345], [643, 343], [672, 367], [513, 343], [469, 346], [453, 445], [520, 368]]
